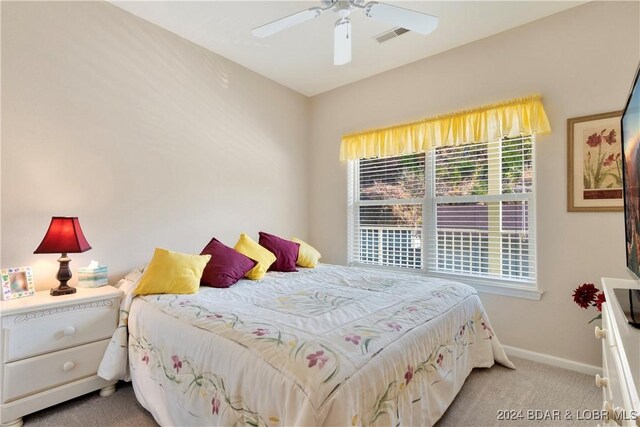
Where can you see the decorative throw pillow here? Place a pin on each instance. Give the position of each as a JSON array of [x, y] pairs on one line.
[[226, 267], [286, 252], [308, 256], [247, 246], [172, 273]]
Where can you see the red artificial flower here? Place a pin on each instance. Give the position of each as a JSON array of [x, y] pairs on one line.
[[599, 300], [585, 294], [594, 140], [611, 138]]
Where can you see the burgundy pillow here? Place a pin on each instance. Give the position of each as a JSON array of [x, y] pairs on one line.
[[226, 266], [286, 252]]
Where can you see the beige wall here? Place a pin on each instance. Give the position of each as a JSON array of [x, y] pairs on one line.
[[582, 61], [149, 139]]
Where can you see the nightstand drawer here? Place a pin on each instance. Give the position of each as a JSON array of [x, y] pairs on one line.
[[39, 373], [28, 336]]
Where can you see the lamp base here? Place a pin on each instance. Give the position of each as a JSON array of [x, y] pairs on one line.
[[60, 290], [64, 275]]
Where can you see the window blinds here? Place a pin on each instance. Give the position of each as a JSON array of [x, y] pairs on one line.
[[389, 213], [463, 210]]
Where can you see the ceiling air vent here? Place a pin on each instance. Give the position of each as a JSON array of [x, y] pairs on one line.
[[391, 34]]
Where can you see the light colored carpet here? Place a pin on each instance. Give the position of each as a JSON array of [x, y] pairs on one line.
[[532, 386]]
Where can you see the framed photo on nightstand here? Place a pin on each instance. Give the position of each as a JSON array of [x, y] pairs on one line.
[[17, 283]]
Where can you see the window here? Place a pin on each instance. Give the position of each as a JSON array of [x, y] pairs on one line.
[[389, 213], [465, 210]]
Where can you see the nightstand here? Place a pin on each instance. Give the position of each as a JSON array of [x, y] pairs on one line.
[[52, 348]]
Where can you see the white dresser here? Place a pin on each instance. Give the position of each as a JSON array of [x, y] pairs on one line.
[[52, 347], [620, 380]]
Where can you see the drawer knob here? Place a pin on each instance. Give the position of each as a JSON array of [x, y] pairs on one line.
[[602, 381], [68, 366], [600, 333], [612, 412], [69, 330]]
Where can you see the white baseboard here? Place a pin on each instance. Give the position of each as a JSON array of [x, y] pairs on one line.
[[552, 360]]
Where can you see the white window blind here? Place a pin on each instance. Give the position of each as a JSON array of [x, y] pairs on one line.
[[388, 213], [466, 210]]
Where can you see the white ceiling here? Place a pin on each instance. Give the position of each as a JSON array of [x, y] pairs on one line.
[[302, 57]]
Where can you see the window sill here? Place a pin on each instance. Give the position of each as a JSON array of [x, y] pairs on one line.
[[481, 284], [495, 286]]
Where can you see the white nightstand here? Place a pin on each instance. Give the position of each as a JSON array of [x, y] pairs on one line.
[[52, 347]]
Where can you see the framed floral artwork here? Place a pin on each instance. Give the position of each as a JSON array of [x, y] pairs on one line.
[[594, 163], [17, 283]]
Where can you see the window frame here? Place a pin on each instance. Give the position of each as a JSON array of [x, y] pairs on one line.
[[527, 289]]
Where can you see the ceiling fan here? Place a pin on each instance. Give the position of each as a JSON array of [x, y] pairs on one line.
[[394, 15]]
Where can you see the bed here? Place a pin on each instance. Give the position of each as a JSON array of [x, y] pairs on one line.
[[326, 346]]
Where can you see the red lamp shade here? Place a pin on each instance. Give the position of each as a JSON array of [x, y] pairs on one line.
[[63, 236]]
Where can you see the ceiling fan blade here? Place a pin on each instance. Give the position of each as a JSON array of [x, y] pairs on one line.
[[400, 17], [286, 22], [342, 42]]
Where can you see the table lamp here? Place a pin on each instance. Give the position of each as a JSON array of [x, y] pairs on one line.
[[64, 236]]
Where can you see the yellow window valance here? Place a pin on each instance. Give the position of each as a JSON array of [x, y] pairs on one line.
[[520, 116]]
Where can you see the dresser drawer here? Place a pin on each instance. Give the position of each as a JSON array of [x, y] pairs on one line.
[[40, 333], [40, 373], [610, 338], [606, 371]]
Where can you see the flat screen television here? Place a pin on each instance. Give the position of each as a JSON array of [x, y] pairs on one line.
[[630, 129]]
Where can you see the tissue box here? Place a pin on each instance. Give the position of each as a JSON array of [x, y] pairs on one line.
[[92, 277]]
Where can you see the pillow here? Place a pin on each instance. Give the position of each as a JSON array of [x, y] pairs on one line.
[[226, 267], [172, 273], [247, 246], [286, 252], [308, 256]]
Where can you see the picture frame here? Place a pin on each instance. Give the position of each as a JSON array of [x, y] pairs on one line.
[[17, 282], [594, 163]]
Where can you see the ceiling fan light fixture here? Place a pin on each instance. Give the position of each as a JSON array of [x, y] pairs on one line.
[[342, 42], [406, 19]]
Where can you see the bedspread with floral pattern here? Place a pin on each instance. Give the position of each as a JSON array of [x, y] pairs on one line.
[[325, 346]]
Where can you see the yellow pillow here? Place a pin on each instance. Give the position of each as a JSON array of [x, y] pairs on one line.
[[172, 273], [264, 258], [308, 256]]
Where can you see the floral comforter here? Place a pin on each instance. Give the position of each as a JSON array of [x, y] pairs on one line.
[[325, 346]]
